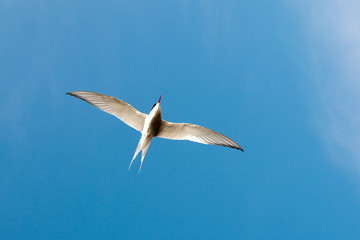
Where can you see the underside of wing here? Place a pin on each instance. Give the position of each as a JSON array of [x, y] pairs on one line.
[[195, 133], [120, 109]]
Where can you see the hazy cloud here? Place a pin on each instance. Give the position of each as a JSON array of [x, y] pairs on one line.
[[334, 30]]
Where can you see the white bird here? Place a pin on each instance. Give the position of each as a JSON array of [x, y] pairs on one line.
[[152, 125]]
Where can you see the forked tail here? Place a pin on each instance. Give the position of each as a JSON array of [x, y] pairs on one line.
[[138, 149]]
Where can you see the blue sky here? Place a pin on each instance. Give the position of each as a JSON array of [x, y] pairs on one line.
[[279, 78]]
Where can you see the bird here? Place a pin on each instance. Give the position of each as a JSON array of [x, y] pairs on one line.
[[152, 125]]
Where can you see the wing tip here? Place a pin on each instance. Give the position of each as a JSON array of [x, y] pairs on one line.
[[235, 147], [238, 148], [73, 93]]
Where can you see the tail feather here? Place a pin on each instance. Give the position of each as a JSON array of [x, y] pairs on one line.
[[138, 149], [144, 150]]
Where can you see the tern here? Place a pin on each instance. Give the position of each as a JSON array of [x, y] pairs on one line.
[[152, 125]]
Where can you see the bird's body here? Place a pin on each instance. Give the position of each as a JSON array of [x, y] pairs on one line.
[[150, 130], [152, 125]]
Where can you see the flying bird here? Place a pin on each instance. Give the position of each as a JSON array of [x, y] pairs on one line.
[[152, 125]]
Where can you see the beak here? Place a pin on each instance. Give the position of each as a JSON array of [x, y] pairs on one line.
[[159, 99]]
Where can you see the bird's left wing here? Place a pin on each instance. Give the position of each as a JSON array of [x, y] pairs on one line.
[[120, 109], [195, 133]]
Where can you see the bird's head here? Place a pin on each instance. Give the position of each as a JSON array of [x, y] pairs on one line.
[[157, 103]]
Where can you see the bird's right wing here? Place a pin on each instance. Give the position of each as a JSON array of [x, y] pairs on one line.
[[195, 133], [120, 109]]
